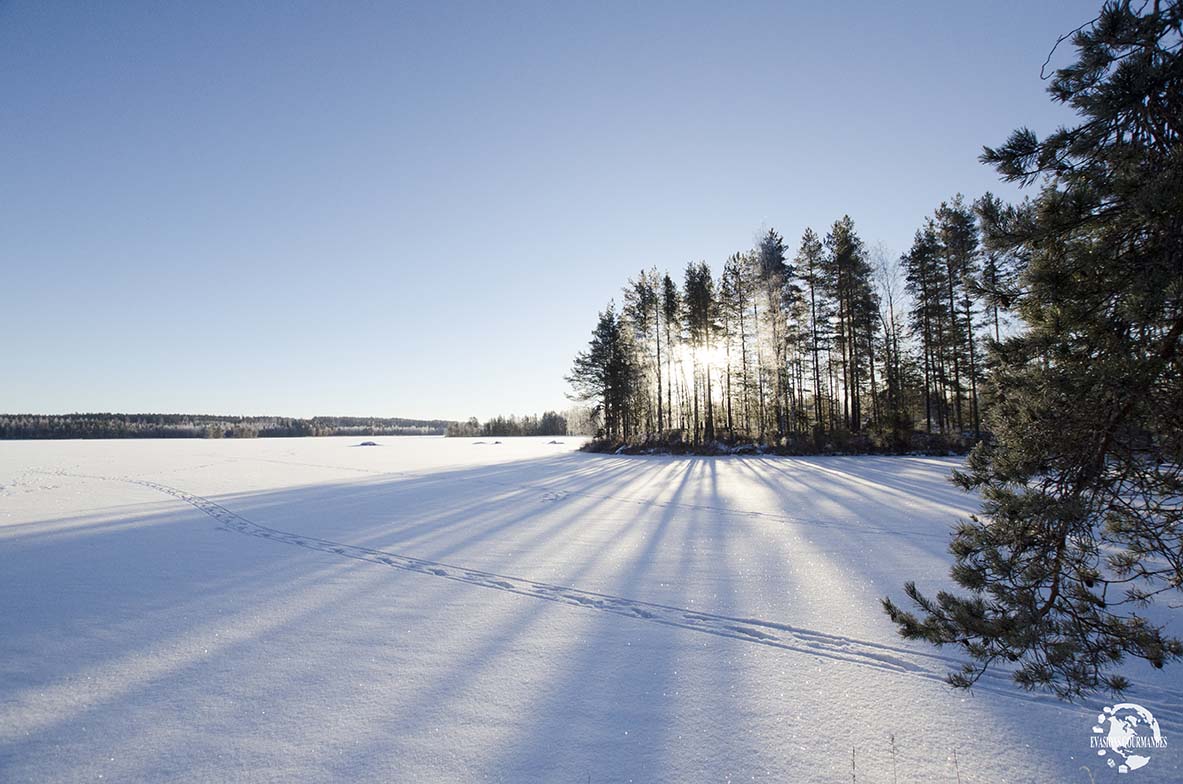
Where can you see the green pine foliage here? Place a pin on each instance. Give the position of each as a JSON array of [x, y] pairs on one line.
[[1081, 526], [608, 375]]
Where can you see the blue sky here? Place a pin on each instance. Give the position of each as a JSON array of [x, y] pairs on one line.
[[374, 209]]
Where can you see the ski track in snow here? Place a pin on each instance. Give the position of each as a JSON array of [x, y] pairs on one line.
[[885, 658]]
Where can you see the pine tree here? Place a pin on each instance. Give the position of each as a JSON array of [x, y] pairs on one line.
[[774, 278], [606, 374], [847, 278], [809, 264], [733, 315], [642, 306], [1081, 524], [701, 327], [925, 281], [671, 310], [958, 231], [996, 283]]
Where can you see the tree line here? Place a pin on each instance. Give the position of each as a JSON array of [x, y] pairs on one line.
[[103, 425], [551, 423], [831, 346]]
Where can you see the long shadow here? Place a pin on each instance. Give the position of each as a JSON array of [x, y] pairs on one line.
[[750, 629], [892, 477], [180, 603], [755, 630], [890, 532], [499, 642], [521, 634], [394, 525], [614, 738], [858, 502], [173, 637]]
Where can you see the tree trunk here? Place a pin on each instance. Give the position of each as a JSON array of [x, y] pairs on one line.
[[657, 334], [956, 351], [817, 399], [973, 370]]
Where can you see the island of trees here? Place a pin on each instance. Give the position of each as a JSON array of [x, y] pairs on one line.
[[831, 346]]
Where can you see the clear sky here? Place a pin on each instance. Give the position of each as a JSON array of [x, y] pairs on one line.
[[378, 209]]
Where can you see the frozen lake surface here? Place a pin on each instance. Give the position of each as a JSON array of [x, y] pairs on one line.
[[443, 610]]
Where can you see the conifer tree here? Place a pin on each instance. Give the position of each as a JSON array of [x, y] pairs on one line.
[[1081, 524], [701, 327], [995, 285], [733, 290], [847, 277], [809, 265], [642, 306], [606, 375], [925, 281], [958, 232], [671, 313], [774, 280]]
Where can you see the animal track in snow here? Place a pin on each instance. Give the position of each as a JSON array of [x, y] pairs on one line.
[[865, 653]]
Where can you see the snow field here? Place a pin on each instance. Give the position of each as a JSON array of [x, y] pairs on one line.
[[439, 610]]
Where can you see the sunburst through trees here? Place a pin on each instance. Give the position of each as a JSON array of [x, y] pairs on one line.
[[804, 351]]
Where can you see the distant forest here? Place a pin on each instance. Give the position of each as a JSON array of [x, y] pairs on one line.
[[551, 423], [14, 426], [833, 346]]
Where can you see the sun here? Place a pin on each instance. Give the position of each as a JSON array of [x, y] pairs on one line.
[[710, 356]]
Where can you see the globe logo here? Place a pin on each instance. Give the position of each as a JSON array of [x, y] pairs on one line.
[[1126, 733]]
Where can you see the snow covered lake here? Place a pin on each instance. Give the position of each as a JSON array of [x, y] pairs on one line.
[[441, 610]]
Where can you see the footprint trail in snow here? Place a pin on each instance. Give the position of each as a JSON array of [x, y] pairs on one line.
[[833, 647]]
